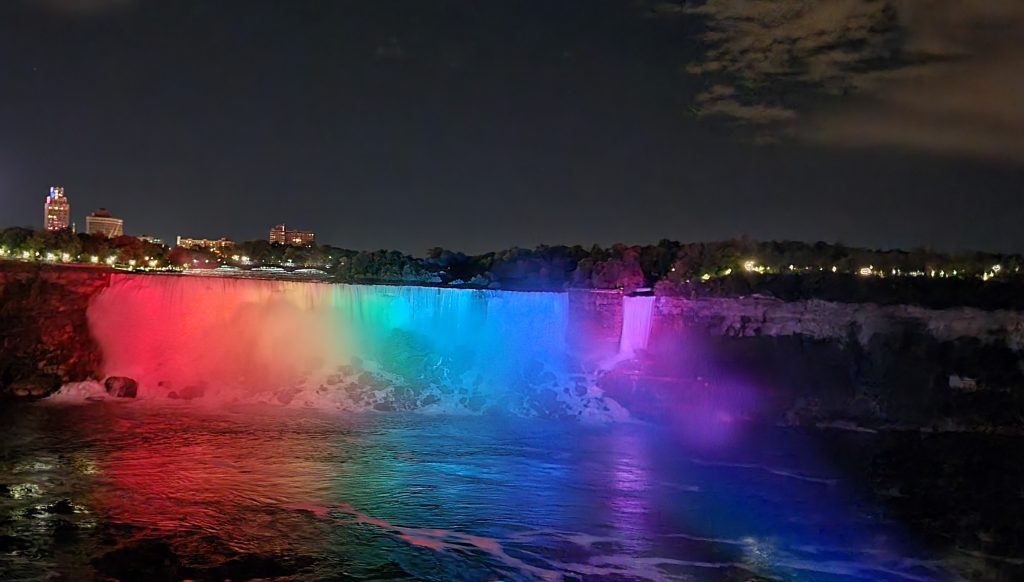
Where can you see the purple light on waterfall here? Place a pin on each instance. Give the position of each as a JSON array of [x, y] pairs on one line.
[[637, 315]]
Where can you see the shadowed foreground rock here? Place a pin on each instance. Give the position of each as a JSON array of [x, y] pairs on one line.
[[44, 332], [153, 560]]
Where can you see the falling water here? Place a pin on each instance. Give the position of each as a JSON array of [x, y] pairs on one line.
[[636, 325], [343, 346], [98, 491]]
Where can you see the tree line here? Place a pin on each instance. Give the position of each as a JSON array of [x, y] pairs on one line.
[[735, 266]]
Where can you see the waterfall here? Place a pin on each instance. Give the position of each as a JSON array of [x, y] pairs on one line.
[[636, 325], [349, 346]]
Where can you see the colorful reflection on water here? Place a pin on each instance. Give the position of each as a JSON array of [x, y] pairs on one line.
[[171, 494]]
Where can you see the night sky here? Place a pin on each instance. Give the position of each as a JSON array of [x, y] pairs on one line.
[[478, 125]]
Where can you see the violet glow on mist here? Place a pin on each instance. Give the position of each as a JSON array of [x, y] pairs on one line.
[[243, 337], [477, 349]]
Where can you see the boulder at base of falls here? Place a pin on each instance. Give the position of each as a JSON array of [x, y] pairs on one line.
[[121, 387], [36, 386], [189, 392]]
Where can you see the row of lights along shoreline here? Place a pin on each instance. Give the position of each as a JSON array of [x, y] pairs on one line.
[[57, 217]]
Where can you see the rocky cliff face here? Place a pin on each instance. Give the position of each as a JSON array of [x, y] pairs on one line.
[[44, 333], [820, 362], [799, 362]]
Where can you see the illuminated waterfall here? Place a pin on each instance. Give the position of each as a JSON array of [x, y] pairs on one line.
[[636, 325], [342, 346]]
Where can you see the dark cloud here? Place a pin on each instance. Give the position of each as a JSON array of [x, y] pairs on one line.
[[721, 100], [935, 75]]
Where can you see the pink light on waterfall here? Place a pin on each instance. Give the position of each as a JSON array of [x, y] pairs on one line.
[[173, 333]]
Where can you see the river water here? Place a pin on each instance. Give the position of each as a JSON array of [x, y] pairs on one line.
[[135, 493]]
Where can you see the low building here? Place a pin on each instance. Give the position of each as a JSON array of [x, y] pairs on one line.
[[150, 239], [102, 223], [56, 210], [285, 236], [218, 246]]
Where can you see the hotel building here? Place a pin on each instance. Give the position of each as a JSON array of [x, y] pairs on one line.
[[218, 246], [102, 223], [300, 238]]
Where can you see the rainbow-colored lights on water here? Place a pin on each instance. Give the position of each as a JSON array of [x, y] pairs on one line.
[[706, 492]]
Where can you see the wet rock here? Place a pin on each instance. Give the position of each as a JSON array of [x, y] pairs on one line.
[[580, 388], [404, 397], [371, 382], [36, 386], [146, 560], [12, 543], [547, 405], [286, 396], [121, 387], [532, 370], [384, 407], [188, 392], [43, 328], [62, 507], [334, 379], [476, 403], [193, 391], [64, 531], [864, 407], [250, 567]]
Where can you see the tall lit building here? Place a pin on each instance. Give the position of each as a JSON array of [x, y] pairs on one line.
[[300, 238], [101, 222], [56, 210]]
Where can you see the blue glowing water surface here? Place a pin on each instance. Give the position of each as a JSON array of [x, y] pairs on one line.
[[309, 496]]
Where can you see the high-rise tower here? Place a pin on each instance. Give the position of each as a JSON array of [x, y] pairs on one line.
[[56, 210]]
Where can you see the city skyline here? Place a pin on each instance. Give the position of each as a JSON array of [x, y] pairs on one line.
[[304, 237], [57, 215], [513, 125]]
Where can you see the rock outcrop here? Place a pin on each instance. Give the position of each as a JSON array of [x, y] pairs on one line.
[[121, 387], [44, 332], [814, 362]]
